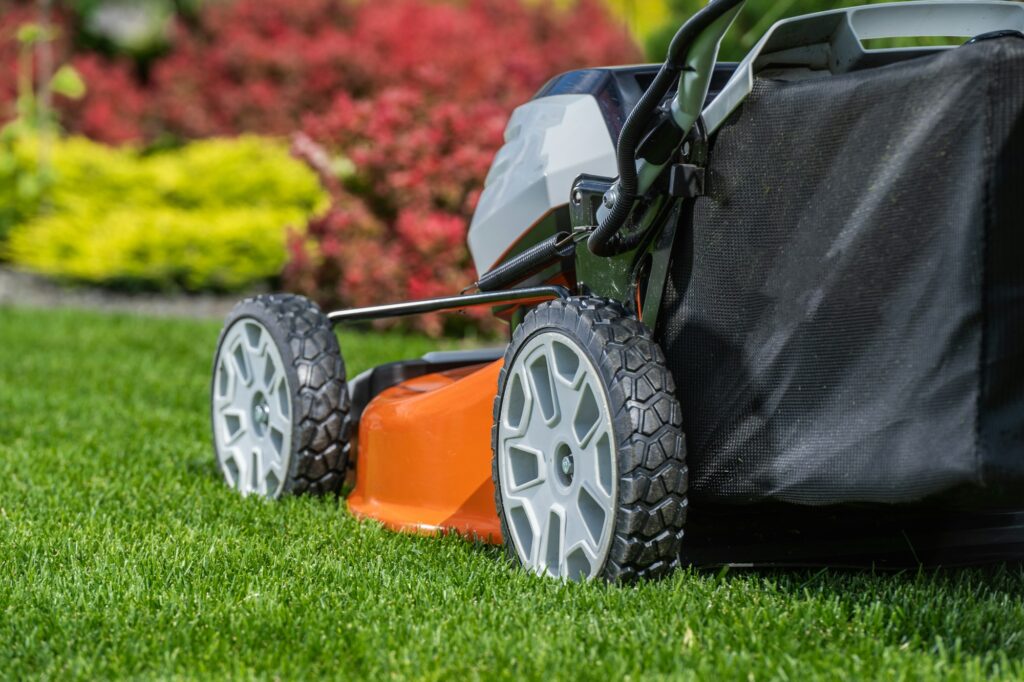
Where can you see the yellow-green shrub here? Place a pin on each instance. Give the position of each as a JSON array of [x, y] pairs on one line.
[[210, 215], [642, 17], [23, 182]]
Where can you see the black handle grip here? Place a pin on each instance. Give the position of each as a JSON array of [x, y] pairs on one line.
[[529, 262]]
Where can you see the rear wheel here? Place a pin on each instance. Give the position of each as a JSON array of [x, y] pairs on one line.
[[279, 401], [589, 459]]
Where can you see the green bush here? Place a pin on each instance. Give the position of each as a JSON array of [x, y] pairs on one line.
[[23, 181], [209, 216]]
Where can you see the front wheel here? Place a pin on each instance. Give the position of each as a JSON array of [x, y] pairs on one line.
[[279, 401], [588, 452]]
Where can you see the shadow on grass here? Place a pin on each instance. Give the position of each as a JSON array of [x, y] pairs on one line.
[[974, 611]]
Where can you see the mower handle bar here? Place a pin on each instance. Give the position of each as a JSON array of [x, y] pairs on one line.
[[635, 174]]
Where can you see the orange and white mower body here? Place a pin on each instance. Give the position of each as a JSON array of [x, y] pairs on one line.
[[424, 460]]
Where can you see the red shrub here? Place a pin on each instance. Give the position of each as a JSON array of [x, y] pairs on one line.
[[255, 66], [441, 80], [114, 107]]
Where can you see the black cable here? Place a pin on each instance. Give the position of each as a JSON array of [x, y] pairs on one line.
[[604, 240]]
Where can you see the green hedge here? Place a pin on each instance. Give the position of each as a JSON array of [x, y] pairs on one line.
[[22, 182], [209, 216]]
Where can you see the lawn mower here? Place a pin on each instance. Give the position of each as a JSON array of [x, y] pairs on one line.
[[762, 313]]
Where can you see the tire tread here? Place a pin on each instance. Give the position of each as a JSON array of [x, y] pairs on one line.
[[322, 424]]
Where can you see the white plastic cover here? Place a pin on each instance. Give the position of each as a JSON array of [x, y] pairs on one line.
[[548, 143]]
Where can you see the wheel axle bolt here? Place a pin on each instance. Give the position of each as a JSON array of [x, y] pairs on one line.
[[567, 465]]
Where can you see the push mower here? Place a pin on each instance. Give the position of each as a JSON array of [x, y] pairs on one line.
[[767, 312]]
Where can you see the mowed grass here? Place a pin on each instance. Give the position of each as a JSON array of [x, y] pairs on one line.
[[122, 554]]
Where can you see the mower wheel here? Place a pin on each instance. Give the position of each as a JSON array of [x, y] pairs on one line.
[[279, 401], [588, 452]]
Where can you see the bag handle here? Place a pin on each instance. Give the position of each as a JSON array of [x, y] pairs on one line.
[[933, 18], [833, 40]]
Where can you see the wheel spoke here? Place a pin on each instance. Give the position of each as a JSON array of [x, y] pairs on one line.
[[575, 531], [255, 338], [540, 435], [272, 476], [592, 509], [280, 407], [255, 478], [278, 422], [227, 383], [269, 470], [242, 362], [235, 426], [270, 373], [231, 466], [586, 413], [545, 403], [553, 547], [568, 398], [524, 528], [581, 561], [533, 426], [280, 401], [593, 464], [524, 465], [566, 363], [517, 404], [537, 498]]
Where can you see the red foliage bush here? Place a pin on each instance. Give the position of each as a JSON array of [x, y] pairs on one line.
[[438, 83], [255, 66], [114, 108]]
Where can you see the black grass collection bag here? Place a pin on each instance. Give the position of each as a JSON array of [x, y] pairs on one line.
[[845, 319]]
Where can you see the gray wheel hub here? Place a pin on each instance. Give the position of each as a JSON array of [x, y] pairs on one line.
[[556, 459], [252, 412]]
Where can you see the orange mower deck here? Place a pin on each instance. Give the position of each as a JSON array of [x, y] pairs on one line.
[[424, 462]]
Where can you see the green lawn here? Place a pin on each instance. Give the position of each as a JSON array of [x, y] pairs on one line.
[[123, 554]]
